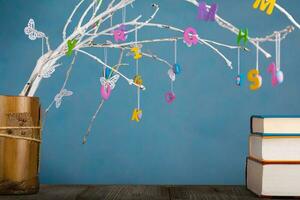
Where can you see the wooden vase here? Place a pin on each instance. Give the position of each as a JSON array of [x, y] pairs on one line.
[[20, 137]]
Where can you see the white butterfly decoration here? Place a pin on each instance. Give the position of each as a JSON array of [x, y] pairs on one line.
[[58, 98], [111, 82], [32, 33]]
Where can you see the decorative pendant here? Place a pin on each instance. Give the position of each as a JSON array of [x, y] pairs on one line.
[[255, 78], [176, 69], [137, 115], [170, 97], [105, 92]]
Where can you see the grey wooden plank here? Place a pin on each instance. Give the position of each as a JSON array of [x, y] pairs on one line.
[[125, 193], [139, 192], [212, 193], [112, 192], [53, 192]]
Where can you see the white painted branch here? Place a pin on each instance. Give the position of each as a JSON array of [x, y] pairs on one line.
[[92, 122], [34, 75], [120, 58], [128, 44], [38, 78], [33, 83], [109, 30], [138, 24], [106, 32], [147, 21], [91, 23], [47, 43], [172, 39], [50, 58], [70, 19], [97, 8], [85, 13], [272, 37], [113, 9], [228, 62], [122, 47], [111, 45], [225, 24], [225, 45], [155, 57], [98, 109], [64, 84], [96, 28], [130, 81], [131, 23], [289, 16]]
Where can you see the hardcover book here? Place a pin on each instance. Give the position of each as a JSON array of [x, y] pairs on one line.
[[273, 179], [274, 148], [275, 125]]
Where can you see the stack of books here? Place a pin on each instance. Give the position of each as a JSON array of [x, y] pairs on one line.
[[273, 165]]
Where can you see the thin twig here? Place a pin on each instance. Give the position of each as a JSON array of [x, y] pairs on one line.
[[289, 16], [130, 81], [92, 121]]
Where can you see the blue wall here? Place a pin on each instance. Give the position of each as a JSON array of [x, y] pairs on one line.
[[200, 139]]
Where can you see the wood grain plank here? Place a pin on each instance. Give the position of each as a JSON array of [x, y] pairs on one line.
[[211, 193], [50, 193], [139, 192], [125, 193]]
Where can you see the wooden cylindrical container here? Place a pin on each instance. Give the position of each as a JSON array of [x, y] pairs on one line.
[[20, 137]]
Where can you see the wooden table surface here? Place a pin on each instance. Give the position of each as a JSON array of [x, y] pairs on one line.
[[131, 192]]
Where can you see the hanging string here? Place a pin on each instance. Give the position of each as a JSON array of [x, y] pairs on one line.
[[105, 55], [135, 34], [124, 15], [138, 97], [175, 51], [137, 61], [278, 47], [257, 55], [175, 62], [239, 61], [137, 68], [111, 20], [42, 46], [279, 51], [105, 61], [172, 87]]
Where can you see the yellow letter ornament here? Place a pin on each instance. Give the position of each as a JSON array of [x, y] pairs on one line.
[[137, 115], [137, 79], [137, 53], [264, 4], [255, 79]]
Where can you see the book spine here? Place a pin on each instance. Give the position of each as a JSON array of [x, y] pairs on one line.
[[251, 122], [275, 162], [279, 135]]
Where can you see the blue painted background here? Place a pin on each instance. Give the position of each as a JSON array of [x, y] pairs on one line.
[[200, 139]]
